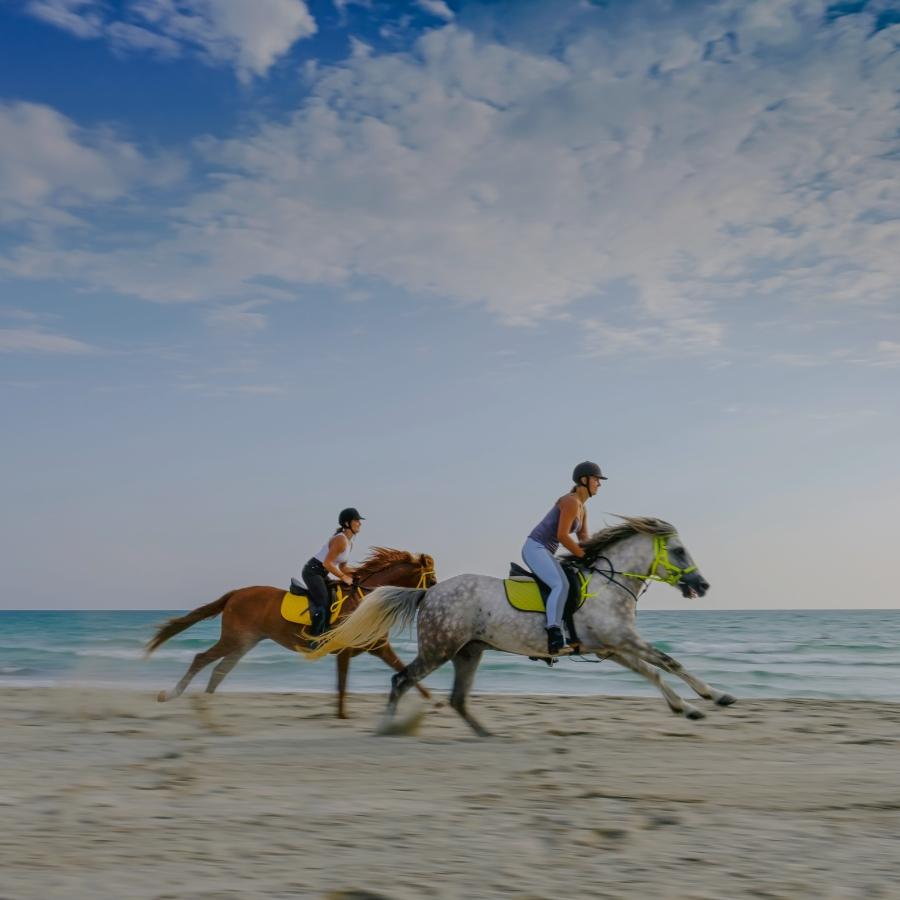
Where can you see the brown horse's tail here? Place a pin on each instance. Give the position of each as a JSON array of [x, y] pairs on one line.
[[368, 625], [174, 626]]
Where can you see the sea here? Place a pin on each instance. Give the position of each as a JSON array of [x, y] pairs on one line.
[[835, 654]]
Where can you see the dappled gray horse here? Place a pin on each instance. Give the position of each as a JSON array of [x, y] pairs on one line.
[[460, 618]]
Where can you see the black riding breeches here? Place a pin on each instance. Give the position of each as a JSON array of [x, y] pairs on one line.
[[315, 577]]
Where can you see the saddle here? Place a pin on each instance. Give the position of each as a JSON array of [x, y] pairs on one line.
[[526, 592], [295, 603]]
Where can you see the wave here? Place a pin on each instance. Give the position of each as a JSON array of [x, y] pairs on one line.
[[849, 655], [17, 670]]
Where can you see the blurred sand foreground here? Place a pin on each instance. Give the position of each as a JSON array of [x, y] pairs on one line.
[[112, 795]]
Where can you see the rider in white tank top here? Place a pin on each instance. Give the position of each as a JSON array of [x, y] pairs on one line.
[[329, 562], [341, 558]]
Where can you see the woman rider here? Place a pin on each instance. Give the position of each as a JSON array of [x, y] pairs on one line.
[[566, 517], [331, 559]]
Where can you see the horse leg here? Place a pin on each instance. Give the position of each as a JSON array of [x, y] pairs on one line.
[[343, 668], [650, 654], [630, 660], [225, 666], [201, 661], [418, 669], [385, 652], [465, 664]]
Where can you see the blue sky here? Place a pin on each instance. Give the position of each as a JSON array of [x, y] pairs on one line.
[[263, 259]]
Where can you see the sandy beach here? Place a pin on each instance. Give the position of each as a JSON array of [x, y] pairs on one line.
[[109, 794]]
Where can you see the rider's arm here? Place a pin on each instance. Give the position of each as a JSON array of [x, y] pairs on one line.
[[568, 510], [336, 546]]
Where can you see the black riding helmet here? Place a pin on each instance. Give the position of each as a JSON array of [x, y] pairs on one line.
[[584, 469], [348, 515]]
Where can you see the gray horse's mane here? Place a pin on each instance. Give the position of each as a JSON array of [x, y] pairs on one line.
[[602, 540]]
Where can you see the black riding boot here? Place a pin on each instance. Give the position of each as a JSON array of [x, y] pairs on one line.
[[555, 640], [319, 621]]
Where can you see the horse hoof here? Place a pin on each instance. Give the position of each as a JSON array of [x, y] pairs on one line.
[[725, 700], [694, 714], [161, 697]]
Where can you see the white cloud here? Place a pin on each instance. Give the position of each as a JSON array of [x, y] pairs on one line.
[[700, 158], [83, 18], [126, 37], [237, 390], [436, 8], [33, 340], [678, 335], [238, 317], [250, 35], [22, 315], [50, 167]]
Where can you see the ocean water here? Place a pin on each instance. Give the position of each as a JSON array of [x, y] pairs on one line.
[[780, 653]]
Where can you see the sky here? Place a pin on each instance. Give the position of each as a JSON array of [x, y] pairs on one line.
[[264, 259]]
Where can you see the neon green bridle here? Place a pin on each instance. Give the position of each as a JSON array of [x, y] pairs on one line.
[[661, 558]]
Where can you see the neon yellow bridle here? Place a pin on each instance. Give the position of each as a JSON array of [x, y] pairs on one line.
[[661, 558], [341, 596], [423, 578]]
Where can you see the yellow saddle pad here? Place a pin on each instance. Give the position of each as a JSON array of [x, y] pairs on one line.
[[524, 595], [295, 608]]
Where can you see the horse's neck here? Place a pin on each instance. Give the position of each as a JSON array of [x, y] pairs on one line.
[[400, 574], [634, 554]]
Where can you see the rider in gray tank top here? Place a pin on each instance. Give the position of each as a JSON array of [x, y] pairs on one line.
[[545, 530], [539, 550]]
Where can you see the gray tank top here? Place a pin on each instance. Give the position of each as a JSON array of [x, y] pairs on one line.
[[340, 559], [545, 531]]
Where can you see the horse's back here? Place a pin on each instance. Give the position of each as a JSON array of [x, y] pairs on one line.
[[253, 606]]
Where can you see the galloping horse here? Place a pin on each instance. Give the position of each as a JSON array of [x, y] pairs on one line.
[[252, 614], [461, 617]]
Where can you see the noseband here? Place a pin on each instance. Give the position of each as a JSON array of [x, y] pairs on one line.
[[661, 558], [423, 578]]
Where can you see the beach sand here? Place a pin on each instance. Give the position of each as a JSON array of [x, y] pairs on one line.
[[108, 794]]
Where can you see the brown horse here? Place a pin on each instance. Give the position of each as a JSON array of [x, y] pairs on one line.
[[252, 614]]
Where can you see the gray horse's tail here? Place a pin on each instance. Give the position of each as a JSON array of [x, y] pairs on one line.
[[369, 624]]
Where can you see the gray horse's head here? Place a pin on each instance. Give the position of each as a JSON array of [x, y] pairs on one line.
[[655, 545], [691, 583]]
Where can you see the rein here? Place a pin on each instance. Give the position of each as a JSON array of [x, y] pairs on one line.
[[660, 558], [424, 574], [341, 598]]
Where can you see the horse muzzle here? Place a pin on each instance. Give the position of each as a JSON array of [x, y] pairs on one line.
[[693, 585]]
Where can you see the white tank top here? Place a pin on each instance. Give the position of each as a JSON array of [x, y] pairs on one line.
[[339, 560]]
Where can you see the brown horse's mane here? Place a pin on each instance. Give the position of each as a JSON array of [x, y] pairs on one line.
[[602, 540], [380, 558]]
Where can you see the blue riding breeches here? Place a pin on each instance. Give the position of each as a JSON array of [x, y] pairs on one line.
[[547, 567]]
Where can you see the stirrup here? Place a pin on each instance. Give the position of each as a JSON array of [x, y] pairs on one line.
[[550, 660]]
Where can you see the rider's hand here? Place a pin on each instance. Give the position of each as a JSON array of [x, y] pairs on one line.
[[347, 579]]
